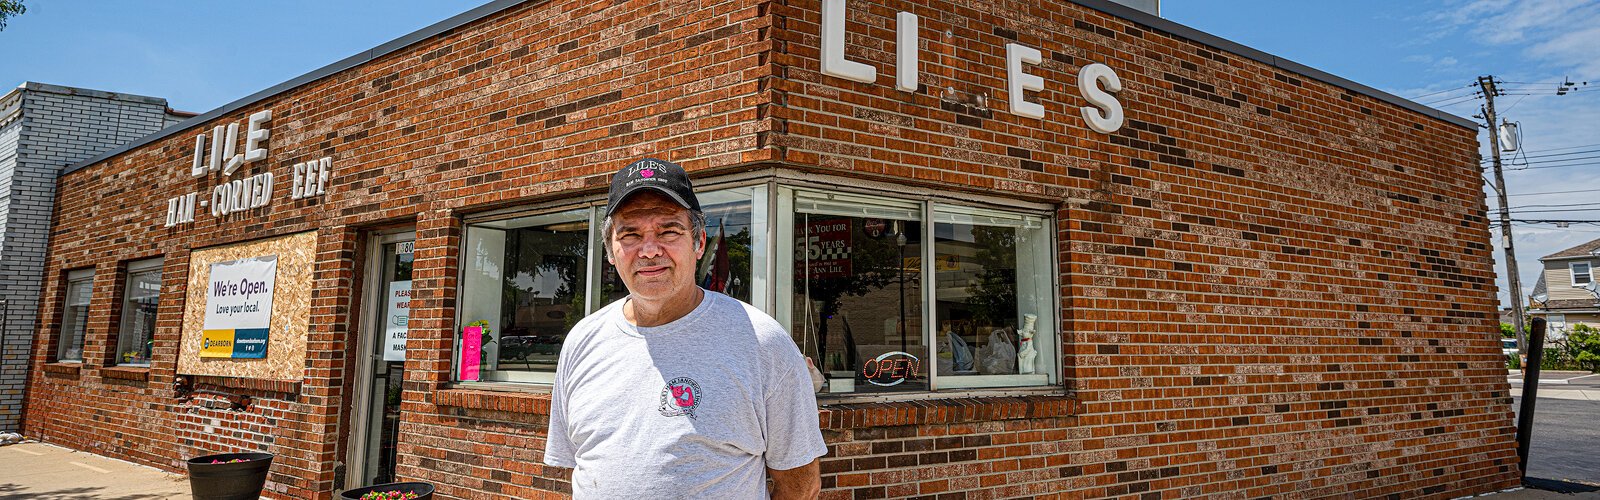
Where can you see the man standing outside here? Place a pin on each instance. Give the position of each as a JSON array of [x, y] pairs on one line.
[[675, 391]]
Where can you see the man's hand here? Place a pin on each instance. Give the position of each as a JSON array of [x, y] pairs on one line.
[[800, 483]]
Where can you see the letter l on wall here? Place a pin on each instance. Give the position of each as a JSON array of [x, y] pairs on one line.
[[833, 61]]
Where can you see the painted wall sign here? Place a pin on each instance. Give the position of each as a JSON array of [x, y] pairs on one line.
[[1096, 82], [239, 308], [395, 318], [219, 154]]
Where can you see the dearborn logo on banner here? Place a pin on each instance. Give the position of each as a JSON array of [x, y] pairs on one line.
[[239, 308]]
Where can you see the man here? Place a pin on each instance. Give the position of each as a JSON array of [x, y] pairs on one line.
[[675, 391]]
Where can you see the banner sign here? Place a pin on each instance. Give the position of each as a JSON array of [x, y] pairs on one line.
[[239, 308], [827, 249], [395, 319]]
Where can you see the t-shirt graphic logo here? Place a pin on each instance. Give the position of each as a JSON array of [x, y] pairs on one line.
[[680, 397]]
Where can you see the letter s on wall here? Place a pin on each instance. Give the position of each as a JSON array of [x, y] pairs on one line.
[[1107, 118]]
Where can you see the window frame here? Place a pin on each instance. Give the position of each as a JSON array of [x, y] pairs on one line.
[[1572, 270], [784, 241], [84, 276], [769, 277], [596, 261], [132, 269]]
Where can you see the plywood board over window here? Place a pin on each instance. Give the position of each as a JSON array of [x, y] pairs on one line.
[[291, 309]]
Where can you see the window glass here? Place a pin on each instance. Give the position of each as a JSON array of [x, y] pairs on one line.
[[992, 275], [525, 286], [141, 297], [527, 281], [75, 316], [727, 264], [857, 281], [1580, 273]]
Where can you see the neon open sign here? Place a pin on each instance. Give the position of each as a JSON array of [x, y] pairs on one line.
[[891, 368]]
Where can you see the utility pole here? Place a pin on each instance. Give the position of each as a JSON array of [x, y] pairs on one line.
[[1489, 91]]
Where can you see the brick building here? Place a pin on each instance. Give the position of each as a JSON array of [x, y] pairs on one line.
[[1239, 276], [44, 128]]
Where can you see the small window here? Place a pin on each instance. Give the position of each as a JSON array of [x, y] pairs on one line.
[[141, 298], [75, 316], [1580, 273]]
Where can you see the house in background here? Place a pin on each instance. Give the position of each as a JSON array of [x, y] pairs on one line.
[[1564, 294]]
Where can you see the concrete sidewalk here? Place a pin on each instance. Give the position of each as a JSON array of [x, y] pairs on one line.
[[41, 471]]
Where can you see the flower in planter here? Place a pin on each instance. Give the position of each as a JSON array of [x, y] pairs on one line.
[[234, 461], [389, 495]]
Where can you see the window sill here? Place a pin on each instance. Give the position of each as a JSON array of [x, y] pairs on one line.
[[496, 397], [63, 369], [945, 408], [139, 373]]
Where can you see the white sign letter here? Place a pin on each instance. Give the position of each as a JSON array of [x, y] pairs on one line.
[[906, 63], [1090, 78], [1017, 81], [199, 167], [833, 62], [255, 134], [234, 161]]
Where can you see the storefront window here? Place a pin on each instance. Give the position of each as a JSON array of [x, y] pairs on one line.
[[75, 315], [861, 304], [528, 280], [993, 283], [857, 292], [141, 296]]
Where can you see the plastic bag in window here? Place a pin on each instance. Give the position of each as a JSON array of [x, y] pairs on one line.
[[961, 354], [999, 357]]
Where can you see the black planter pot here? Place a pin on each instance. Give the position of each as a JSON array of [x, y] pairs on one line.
[[424, 491], [225, 481]]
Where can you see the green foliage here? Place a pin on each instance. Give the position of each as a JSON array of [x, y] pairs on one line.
[[9, 8], [1514, 362], [1507, 331], [1584, 342]]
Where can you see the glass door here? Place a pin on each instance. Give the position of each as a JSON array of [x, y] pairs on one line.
[[388, 318]]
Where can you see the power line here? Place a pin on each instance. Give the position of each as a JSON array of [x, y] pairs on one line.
[[1561, 154], [1554, 192], [1457, 89]]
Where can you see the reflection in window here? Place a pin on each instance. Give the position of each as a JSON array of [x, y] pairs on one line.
[[857, 286], [75, 316], [527, 280], [141, 297], [992, 272], [526, 284]]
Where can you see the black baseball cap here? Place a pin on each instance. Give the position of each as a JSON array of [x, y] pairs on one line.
[[666, 177]]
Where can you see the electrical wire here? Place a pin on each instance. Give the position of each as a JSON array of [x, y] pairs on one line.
[[1553, 192], [1457, 89], [1549, 155]]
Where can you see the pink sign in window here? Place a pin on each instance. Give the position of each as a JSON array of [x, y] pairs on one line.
[[471, 351]]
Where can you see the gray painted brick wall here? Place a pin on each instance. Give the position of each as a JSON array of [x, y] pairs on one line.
[[44, 128]]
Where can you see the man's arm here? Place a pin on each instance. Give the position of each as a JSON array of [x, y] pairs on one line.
[[800, 483]]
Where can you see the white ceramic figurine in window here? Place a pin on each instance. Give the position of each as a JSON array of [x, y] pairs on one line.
[[1026, 353]]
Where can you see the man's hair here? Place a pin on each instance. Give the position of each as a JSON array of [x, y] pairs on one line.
[[697, 228]]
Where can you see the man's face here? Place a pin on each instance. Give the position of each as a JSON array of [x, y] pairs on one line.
[[654, 249]]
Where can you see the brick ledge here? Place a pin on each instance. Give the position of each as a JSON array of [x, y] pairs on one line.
[[475, 399], [946, 411], [140, 373], [63, 369]]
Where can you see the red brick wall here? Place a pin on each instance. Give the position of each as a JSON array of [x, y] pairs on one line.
[[1266, 289], [1272, 285]]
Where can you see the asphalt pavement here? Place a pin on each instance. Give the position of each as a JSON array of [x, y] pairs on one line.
[[1564, 434]]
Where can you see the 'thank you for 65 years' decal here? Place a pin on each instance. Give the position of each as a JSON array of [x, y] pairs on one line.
[[239, 308]]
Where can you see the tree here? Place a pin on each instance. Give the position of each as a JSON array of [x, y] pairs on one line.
[[1506, 332], [1585, 341], [9, 8]]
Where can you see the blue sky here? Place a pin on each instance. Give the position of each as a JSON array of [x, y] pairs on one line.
[[201, 55]]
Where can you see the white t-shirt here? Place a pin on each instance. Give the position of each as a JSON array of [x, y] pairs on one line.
[[696, 408]]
